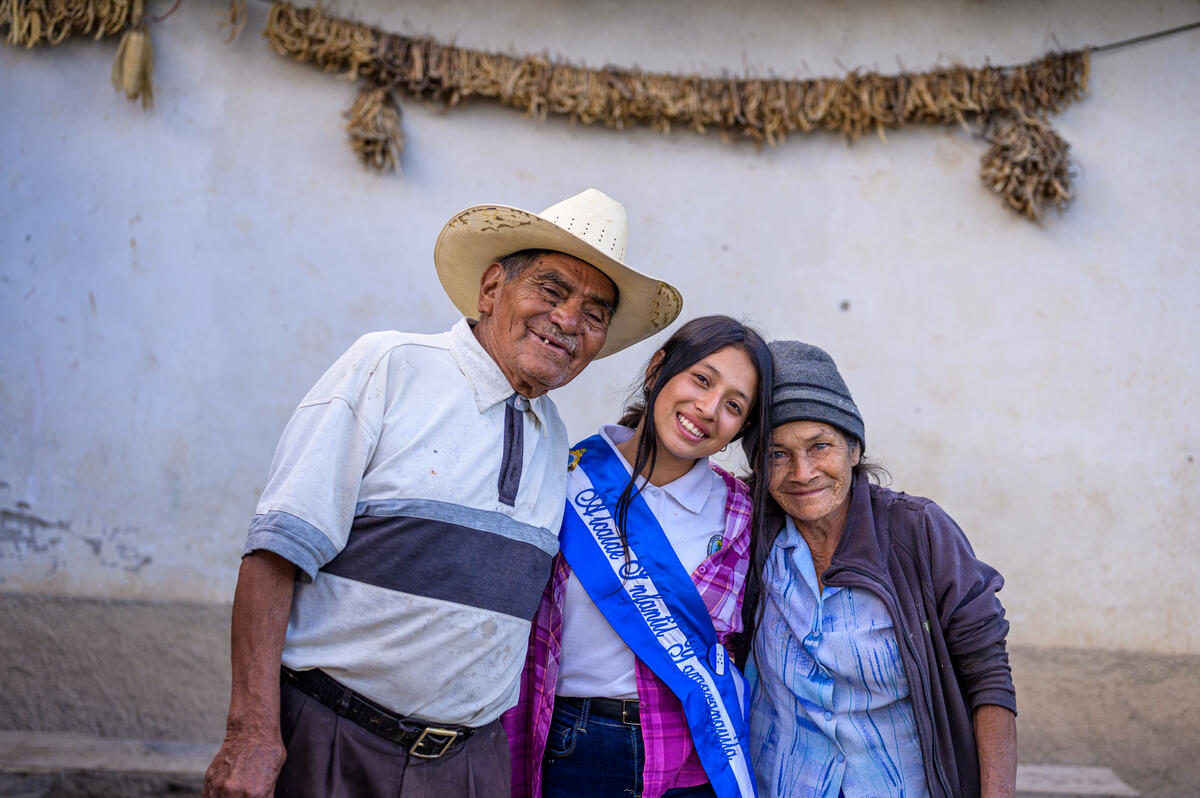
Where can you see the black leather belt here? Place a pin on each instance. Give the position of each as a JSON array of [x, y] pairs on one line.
[[623, 709], [421, 739]]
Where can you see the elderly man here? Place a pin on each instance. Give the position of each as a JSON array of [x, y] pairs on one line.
[[408, 525]]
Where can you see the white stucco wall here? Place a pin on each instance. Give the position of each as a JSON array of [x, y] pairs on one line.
[[172, 282]]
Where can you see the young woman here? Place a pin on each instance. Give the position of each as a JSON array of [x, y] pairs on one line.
[[628, 688]]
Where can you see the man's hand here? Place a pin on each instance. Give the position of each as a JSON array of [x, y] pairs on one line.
[[252, 754], [246, 766]]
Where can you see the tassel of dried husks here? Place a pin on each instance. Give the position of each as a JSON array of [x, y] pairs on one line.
[[374, 128], [133, 68], [235, 19], [1027, 164]]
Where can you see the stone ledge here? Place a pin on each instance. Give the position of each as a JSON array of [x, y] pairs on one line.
[[43, 760], [45, 752], [1035, 781]]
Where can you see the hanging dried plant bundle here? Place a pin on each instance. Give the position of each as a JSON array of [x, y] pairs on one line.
[[308, 34], [133, 68], [1027, 165], [235, 19], [49, 22], [374, 128], [765, 110]]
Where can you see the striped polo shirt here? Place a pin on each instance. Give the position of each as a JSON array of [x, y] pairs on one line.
[[416, 583]]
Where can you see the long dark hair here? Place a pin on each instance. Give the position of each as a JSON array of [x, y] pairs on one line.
[[690, 344]]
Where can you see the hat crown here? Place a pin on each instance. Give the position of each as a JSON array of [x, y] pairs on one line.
[[594, 217]]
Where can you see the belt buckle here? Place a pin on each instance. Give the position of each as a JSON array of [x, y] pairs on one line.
[[625, 702], [450, 734]]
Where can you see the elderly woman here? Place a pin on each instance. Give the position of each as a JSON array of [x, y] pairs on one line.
[[879, 665]]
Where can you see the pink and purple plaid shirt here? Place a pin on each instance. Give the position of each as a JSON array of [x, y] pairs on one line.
[[671, 759]]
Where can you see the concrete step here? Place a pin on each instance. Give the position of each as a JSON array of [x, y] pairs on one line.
[[1038, 781], [51, 765]]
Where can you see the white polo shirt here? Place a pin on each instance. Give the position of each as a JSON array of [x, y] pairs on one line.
[[417, 583]]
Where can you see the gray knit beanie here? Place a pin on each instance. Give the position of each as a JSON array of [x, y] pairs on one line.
[[808, 387]]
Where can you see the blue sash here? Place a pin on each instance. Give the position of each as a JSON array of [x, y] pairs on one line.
[[652, 603]]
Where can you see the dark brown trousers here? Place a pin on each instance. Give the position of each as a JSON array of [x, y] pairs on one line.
[[331, 757]]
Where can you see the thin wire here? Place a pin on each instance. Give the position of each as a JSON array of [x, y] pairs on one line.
[[169, 12], [1144, 38]]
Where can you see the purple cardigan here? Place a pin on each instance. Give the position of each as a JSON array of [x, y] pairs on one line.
[[948, 621]]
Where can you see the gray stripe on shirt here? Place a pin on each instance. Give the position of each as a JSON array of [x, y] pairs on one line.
[[457, 514], [445, 561], [292, 538]]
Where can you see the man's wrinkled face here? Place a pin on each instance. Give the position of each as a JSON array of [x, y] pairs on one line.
[[545, 325]]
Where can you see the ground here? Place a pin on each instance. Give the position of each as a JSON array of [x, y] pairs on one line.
[[161, 671]]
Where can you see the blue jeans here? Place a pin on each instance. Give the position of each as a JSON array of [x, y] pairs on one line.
[[591, 757]]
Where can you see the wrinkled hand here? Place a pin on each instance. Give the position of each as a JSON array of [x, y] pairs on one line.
[[246, 766]]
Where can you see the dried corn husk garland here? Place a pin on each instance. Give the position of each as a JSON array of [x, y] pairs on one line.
[[49, 22], [1027, 165], [374, 128], [760, 108], [765, 110]]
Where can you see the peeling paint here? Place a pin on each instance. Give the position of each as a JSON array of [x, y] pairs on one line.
[[116, 547], [27, 537], [25, 531]]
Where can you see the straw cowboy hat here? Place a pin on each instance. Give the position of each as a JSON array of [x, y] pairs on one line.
[[590, 226]]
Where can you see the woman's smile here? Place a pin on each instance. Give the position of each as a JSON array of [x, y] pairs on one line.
[[690, 428]]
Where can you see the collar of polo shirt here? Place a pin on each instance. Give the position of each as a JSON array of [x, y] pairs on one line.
[[691, 490], [487, 381]]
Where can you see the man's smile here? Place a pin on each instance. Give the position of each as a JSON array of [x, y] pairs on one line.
[[558, 346]]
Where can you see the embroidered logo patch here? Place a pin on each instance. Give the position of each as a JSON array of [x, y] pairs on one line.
[[573, 459], [714, 544]]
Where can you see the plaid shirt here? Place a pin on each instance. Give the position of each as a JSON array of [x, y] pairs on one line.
[[671, 759]]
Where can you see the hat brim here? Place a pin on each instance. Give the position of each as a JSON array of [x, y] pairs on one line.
[[481, 235]]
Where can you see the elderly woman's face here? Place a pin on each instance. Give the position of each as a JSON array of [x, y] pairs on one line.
[[811, 470]]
